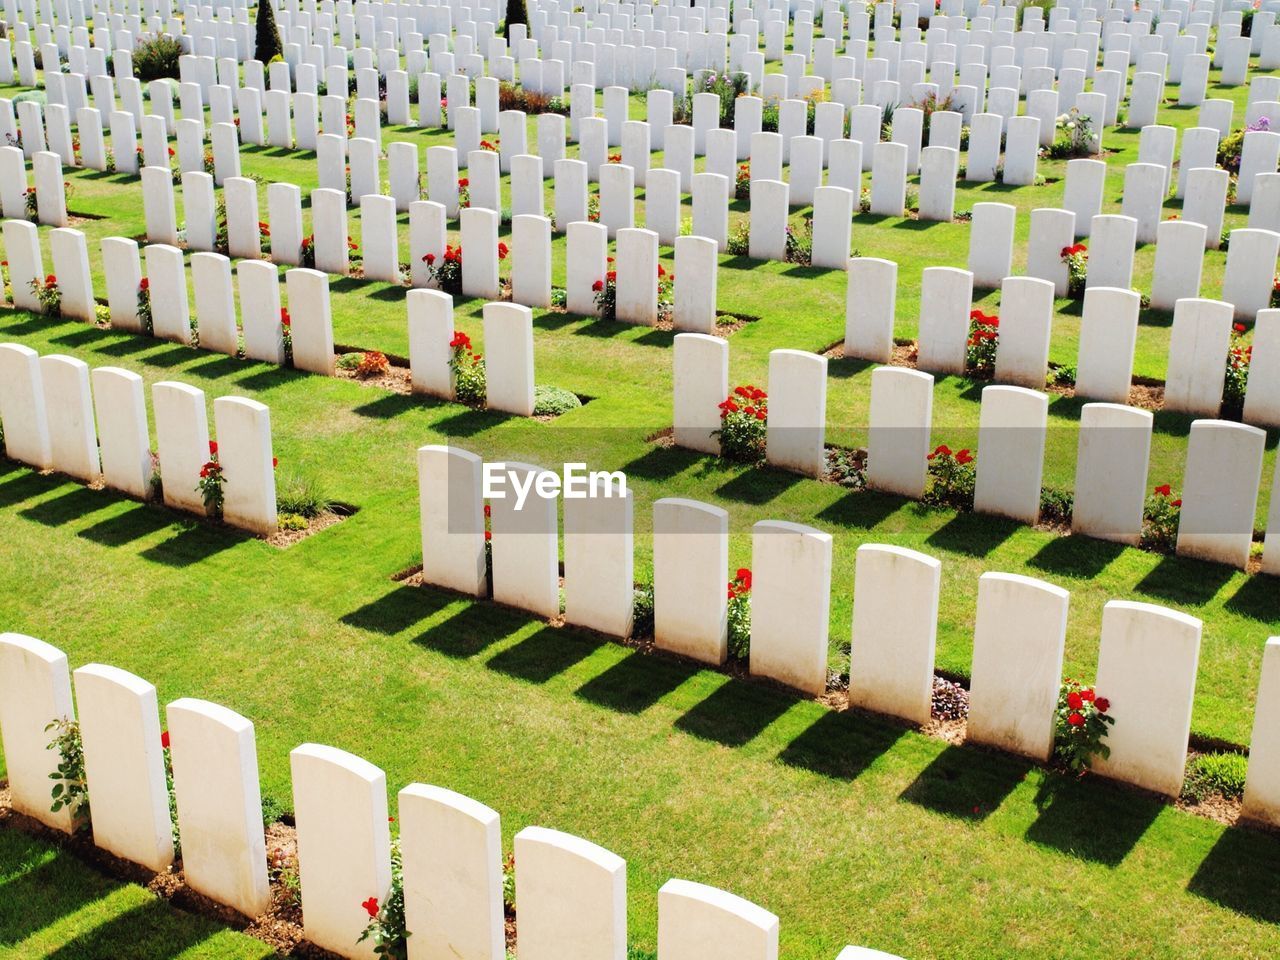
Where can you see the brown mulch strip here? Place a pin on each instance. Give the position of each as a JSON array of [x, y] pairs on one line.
[[396, 379], [666, 437], [287, 538]]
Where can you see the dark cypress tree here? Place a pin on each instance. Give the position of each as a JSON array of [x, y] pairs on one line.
[[267, 46], [517, 12]]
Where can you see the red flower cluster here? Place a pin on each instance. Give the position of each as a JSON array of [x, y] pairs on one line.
[[985, 325], [740, 585], [1077, 700], [1074, 250], [145, 284], [750, 400], [371, 907], [164, 739], [463, 183], [942, 450], [1166, 491], [284, 317], [503, 250], [51, 281], [460, 341], [615, 158], [486, 145]]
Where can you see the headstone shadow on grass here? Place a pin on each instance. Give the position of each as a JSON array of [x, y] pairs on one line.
[[50, 890], [133, 523], [544, 654], [172, 356], [79, 338], [841, 744], [1076, 556], [468, 422], [973, 534], [862, 510], [194, 542], [1239, 873], [635, 683], [218, 365], [68, 506], [966, 784], [661, 463], [399, 609], [1258, 597], [1185, 580], [1091, 820], [151, 931], [388, 406], [736, 713], [758, 486], [472, 629], [18, 486]]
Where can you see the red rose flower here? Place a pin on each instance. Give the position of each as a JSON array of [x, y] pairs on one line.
[[429, 259], [963, 457], [1074, 700], [50, 280], [488, 535], [164, 739], [598, 286], [1086, 695], [503, 250], [487, 510], [1103, 704], [1075, 720], [1163, 490], [1238, 327], [1177, 503], [371, 906], [145, 284], [213, 448], [744, 576]]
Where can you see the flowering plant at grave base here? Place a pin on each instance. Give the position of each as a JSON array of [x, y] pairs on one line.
[[444, 111], [70, 790], [739, 614], [209, 165], [144, 306], [952, 477], [1232, 145], [1275, 292], [742, 182], [468, 372], [490, 145], [75, 151], [728, 87], [286, 328], [210, 484], [386, 926], [606, 294], [984, 336], [446, 269], [351, 126], [666, 293], [372, 364], [739, 244], [743, 418], [1237, 379], [173, 797], [1073, 135], [464, 193], [1160, 517], [4, 276], [50, 297], [31, 205], [593, 207], [264, 236], [1076, 257], [1080, 726], [799, 242], [307, 252], [614, 158]]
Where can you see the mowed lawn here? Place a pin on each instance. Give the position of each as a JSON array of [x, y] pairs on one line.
[[850, 828]]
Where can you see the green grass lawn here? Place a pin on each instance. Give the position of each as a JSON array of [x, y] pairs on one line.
[[850, 828]]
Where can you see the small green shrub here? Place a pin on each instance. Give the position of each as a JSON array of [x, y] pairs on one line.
[[740, 239], [273, 809], [1080, 726], [156, 58], [71, 787], [739, 614], [302, 495], [642, 612], [1211, 773], [744, 416], [349, 361], [552, 401], [1056, 506]]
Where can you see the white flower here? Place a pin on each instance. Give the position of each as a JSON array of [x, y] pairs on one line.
[[1071, 126]]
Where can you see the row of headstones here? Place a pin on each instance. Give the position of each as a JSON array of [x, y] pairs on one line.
[[509, 364], [1018, 640], [166, 291], [1220, 482], [1198, 349], [48, 407], [571, 891], [1248, 281]]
